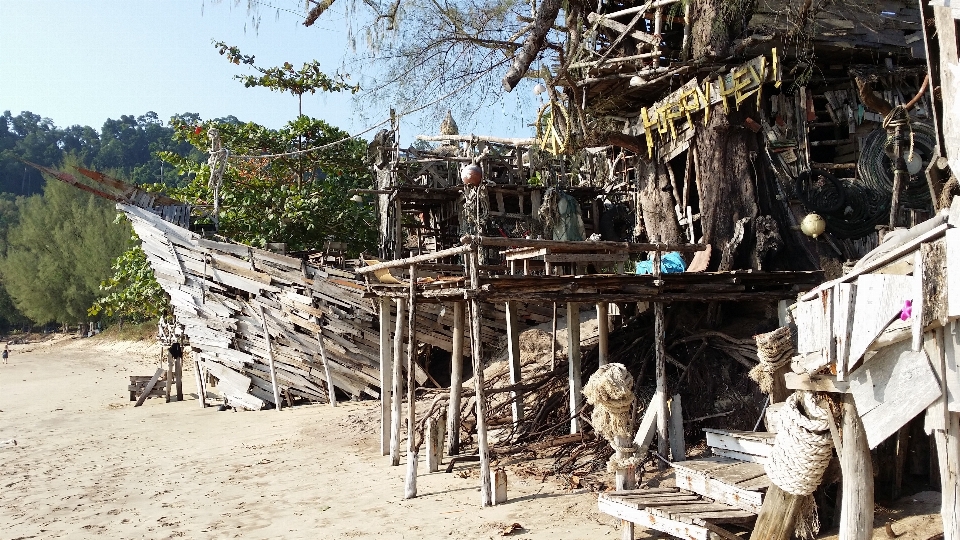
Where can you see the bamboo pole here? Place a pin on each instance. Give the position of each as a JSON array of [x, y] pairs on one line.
[[410, 490], [396, 398], [386, 375], [456, 381]]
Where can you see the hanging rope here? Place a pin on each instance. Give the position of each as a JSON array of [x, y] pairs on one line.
[[774, 350], [610, 391], [803, 446]]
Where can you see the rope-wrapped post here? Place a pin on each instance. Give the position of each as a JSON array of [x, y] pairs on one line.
[[801, 452], [774, 350], [610, 391]]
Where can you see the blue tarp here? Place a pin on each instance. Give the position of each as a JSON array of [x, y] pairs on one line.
[[670, 263]]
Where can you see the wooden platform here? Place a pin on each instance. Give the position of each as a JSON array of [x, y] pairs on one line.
[[738, 483], [679, 513]]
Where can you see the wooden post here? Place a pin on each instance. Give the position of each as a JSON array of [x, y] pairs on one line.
[[433, 449], [178, 370], [386, 375], [513, 354], [778, 515], [456, 381], [273, 369], [678, 449], [486, 490], [553, 340], [396, 398], [856, 510], [603, 327], [663, 416], [169, 380], [573, 360], [326, 370], [625, 478], [412, 449], [201, 391], [499, 482], [948, 451]]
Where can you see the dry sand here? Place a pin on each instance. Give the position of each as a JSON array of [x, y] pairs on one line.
[[88, 464]]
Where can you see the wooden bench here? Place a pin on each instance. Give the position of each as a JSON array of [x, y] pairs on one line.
[[679, 513]]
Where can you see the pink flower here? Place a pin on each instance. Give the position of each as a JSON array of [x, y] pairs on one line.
[[907, 310]]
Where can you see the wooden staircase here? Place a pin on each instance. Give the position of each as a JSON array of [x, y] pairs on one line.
[[710, 493]]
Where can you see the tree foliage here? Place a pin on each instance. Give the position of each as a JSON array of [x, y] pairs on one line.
[[301, 199], [132, 292], [59, 252]]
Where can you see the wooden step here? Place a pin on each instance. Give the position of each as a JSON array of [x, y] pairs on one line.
[[755, 446], [679, 513], [741, 484]]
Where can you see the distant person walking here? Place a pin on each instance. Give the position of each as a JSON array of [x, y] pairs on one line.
[[6, 352]]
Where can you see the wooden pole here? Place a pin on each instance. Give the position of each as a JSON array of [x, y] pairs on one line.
[[326, 370], [412, 454], [778, 515], [396, 398], [456, 381], [553, 340], [663, 416], [169, 380], [573, 360], [386, 375], [948, 450], [486, 489], [513, 354], [273, 369], [433, 449], [178, 369], [201, 391], [603, 327], [856, 510]]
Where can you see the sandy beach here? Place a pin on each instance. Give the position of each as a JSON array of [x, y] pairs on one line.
[[88, 464]]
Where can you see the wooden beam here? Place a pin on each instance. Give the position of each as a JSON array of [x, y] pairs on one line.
[[778, 515], [149, 387], [486, 489], [326, 371], [660, 356], [496, 241]]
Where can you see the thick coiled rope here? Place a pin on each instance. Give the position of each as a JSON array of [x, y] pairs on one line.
[[803, 446], [610, 391], [774, 349], [875, 168]]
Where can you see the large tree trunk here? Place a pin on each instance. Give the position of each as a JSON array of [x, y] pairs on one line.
[[656, 203], [724, 170]]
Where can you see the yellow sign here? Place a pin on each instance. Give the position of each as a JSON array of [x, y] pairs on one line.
[[740, 84]]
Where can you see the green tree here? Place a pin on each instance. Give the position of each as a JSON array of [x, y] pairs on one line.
[[264, 200], [59, 252], [132, 292]]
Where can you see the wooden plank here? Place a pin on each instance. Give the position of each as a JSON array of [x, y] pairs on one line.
[[573, 361], [809, 317], [149, 387], [737, 444], [891, 388], [513, 359], [678, 451], [648, 425], [742, 456], [953, 272], [683, 531], [880, 298], [935, 417], [843, 309], [951, 348], [815, 383]]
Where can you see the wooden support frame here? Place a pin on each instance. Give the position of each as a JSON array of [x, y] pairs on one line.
[[396, 397]]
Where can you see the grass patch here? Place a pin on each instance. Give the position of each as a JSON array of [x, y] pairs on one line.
[[131, 332]]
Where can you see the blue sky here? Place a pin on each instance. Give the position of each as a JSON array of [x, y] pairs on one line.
[[83, 61]]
